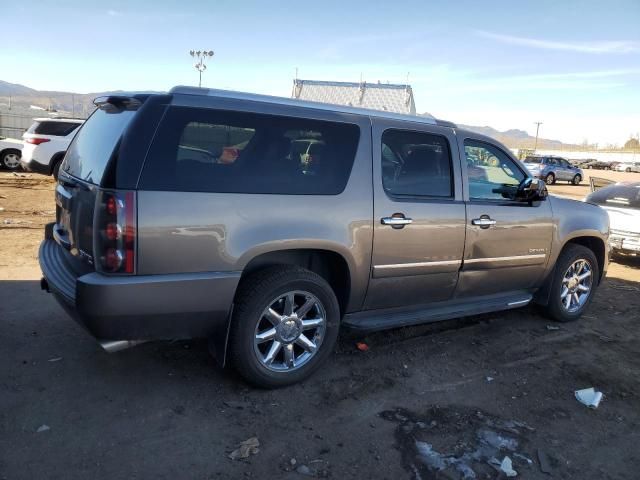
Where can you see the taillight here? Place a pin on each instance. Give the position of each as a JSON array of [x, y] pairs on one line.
[[116, 232], [37, 141]]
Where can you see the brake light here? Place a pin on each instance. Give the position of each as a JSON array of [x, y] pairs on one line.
[[37, 141], [116, 239]]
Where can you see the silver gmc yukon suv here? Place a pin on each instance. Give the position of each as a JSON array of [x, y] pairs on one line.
[[267, 224]]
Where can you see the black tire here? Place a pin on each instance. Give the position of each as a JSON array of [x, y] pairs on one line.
[[550, 179], [576, 180], [570, 254], [8, 157], [254, 295], [628, 170]]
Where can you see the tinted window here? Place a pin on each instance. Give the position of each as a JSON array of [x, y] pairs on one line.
[[202, 150], [416, 164], [60, 129], [621, 195], [94, 144], [492, 174]]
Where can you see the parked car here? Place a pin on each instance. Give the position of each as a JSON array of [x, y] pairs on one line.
[[579, 162], [551, 169], [622, 203], [45, 143], [10, 151], [597, 165], [628, 167], [269, 262]]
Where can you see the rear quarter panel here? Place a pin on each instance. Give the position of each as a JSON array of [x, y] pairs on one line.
[[222, 232]]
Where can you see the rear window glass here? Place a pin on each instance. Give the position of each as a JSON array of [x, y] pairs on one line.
[[59, 129], [533, 160], [94, 144], [202, 150], [621, 195]]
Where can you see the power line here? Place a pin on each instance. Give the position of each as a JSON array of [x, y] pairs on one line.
[[537, 130]]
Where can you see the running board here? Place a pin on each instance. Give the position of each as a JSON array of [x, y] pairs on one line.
[[374, 320]]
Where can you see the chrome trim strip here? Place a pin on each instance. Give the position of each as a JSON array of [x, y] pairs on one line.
[[519, 302], [505, 259], [439, 263]]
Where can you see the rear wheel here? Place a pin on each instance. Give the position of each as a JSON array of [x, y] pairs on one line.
[[550, 179], [574, 283], [285, 324], [576, 180], [11, 159], [56, 169], [628, 170]]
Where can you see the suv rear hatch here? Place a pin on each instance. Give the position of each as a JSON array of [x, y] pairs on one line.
[[83, 204]]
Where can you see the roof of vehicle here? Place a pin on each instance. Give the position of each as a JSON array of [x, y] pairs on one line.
[[185, 90], [59, 119]]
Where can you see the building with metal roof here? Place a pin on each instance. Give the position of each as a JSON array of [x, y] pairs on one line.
[[373, 96]]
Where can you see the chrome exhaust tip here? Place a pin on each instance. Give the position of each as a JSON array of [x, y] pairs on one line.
[[112, 346]]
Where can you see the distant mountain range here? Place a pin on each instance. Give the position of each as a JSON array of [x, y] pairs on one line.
[[81, 104], [515, 138]]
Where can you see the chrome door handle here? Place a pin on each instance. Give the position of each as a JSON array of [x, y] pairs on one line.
[[483, 222], [396, 221]]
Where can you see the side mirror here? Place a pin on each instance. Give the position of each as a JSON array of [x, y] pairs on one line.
[[532, 190]]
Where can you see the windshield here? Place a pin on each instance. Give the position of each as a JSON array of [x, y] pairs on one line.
[[92, 148], [621, 195]]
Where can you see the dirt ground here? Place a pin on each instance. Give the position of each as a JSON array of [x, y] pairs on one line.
[[430, 402]]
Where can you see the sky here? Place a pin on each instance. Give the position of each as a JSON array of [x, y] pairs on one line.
[[575, 66]]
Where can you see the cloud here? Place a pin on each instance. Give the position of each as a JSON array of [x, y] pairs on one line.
[[619, 46]]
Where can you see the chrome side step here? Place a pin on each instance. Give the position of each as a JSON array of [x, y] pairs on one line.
[[111, 346]]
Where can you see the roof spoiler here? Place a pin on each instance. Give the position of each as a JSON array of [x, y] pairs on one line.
[[120, 102]]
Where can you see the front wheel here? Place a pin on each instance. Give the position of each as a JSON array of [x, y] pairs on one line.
[[576, 180], [285, 324], [628, 170], [574, 283], [11, 159]]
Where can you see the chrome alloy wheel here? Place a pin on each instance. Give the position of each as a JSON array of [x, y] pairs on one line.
[[11, 160], [290, 331], [576, 285]]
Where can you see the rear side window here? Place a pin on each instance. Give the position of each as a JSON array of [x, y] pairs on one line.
[[58, 129], [92, 147], [201, 150], [416, 164]]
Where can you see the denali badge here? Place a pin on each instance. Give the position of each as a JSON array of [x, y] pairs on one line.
[[537, 250]]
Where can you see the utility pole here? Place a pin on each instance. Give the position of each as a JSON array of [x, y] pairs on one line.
[[201, 56], [537, 130]]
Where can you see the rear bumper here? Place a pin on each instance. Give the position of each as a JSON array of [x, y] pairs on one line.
[[142, 307], [30, 165]]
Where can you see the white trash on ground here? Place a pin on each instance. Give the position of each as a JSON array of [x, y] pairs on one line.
[[589, 397]]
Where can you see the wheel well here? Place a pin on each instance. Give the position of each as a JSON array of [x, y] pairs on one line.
[[9, 150], [329, 265], [596, 246]]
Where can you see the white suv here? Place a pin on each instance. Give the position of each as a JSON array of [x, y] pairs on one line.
[[46, 142], [10, 153]]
